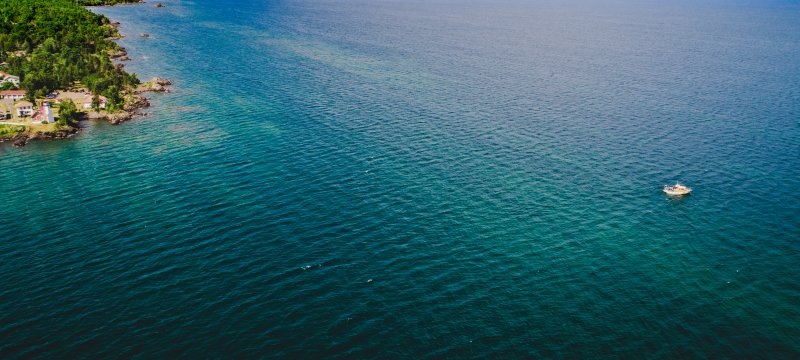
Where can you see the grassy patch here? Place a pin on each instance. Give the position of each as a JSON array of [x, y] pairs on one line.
[[11, 130]]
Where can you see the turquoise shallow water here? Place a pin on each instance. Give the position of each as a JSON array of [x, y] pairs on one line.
[[422, 179]]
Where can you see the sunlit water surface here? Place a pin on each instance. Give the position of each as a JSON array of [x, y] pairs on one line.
[[422, 179]]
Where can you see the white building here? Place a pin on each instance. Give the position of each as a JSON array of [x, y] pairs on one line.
[[24, 108], [6, 77]]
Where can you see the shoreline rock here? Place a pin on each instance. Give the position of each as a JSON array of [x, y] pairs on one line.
[[119, 4], [119, 117], [21, 140], [133, 104], [155, 84], [121, 54], [18, 140], [57, 134]]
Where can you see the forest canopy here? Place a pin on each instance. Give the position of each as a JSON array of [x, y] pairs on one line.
[[105, 2], [51, 44]]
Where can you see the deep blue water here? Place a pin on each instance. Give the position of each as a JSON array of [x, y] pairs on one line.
[[381, 179]]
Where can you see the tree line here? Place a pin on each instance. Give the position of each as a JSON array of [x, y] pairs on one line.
[[105, 2]]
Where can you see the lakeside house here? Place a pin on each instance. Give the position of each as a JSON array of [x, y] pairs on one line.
[[87, 101], [83, 100], [12, 94], [24, 108], [6, 77], [44, 114]]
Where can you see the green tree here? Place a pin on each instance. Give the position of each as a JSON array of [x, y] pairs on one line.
[[30, 88], [68, 113], [96, 102]]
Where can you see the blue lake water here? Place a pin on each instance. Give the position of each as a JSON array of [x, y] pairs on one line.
[[422, 179]]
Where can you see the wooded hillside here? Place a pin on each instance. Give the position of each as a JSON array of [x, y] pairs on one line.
[[51, 44]]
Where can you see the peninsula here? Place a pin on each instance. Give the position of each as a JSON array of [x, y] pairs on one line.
[[59, 64]]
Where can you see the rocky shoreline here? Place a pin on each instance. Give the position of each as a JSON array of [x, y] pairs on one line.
[[134, 103], [133, 106], [121, 3], [21, 140]]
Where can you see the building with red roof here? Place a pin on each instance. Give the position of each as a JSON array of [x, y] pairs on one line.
[[89, 98], [12, 94]]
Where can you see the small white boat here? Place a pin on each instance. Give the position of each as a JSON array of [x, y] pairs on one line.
[[677, 189]]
